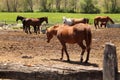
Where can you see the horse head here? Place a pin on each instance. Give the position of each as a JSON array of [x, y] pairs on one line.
[[46, 19], [19, 18], [109, 19], [42, 19], [50, 32]]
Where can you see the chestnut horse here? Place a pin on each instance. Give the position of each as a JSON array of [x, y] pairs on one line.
[[35, 22], [103, 19], [75, 34], [74, 21]]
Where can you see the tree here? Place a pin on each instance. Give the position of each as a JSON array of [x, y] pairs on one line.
[[43, 5], [113, 6], [8, 5], [28, 5], [58, 4], [87, 6], [15, 5]]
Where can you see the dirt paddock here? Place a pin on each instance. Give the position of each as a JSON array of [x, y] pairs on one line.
[[31, 49]]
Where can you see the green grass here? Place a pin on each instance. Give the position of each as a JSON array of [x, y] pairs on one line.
[[54, 18]]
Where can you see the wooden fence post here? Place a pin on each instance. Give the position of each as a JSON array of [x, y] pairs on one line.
[[110, 65]]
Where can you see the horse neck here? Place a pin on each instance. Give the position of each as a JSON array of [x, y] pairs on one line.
[[21, 18], [111, 20], [54, 32]]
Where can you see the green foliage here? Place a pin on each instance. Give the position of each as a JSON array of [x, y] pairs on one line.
[[70, 6], [88, 7]]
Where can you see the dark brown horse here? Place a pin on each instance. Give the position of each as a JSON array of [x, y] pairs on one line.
[[103, 19], [35, 22], [75, 34]]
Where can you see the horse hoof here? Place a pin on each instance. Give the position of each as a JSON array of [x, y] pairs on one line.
[[61, 58], [81, 60], [68, 60], [86, 62]]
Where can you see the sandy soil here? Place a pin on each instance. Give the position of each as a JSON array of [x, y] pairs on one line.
[[32, 49]]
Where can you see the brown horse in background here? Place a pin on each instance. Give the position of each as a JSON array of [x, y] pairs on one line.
[[103, 19], [35, 22], [82, 20], [75, 34]]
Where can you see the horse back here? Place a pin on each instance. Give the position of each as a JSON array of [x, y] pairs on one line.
[[66, 34], [73, 34]]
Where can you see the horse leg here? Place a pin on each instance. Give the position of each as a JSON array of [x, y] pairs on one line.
[[88, 45], [101, 25], [64, 49], [95, 24], [68, 59], [34, 29], [98, 23], [23, 27], [83, 51], [105, 25], [29, 29], [39, 29], [62, 53], [88, 52], [26, 31]]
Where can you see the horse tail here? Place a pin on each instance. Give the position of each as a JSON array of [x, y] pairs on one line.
[[88, 38]]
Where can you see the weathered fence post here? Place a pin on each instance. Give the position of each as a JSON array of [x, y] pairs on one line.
[[110, 65]]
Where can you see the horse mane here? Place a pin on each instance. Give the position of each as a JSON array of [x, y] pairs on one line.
[[21, 16], [42, 18]]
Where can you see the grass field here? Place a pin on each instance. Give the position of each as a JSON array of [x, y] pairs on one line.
[[54, 17]]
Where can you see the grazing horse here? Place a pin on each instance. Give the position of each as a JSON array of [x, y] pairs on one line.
[[21, 18], [74, 21], [75, 34], [35, 22], [103, 19]]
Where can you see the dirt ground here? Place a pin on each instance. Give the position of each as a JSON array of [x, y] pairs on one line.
[[32, 49]]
